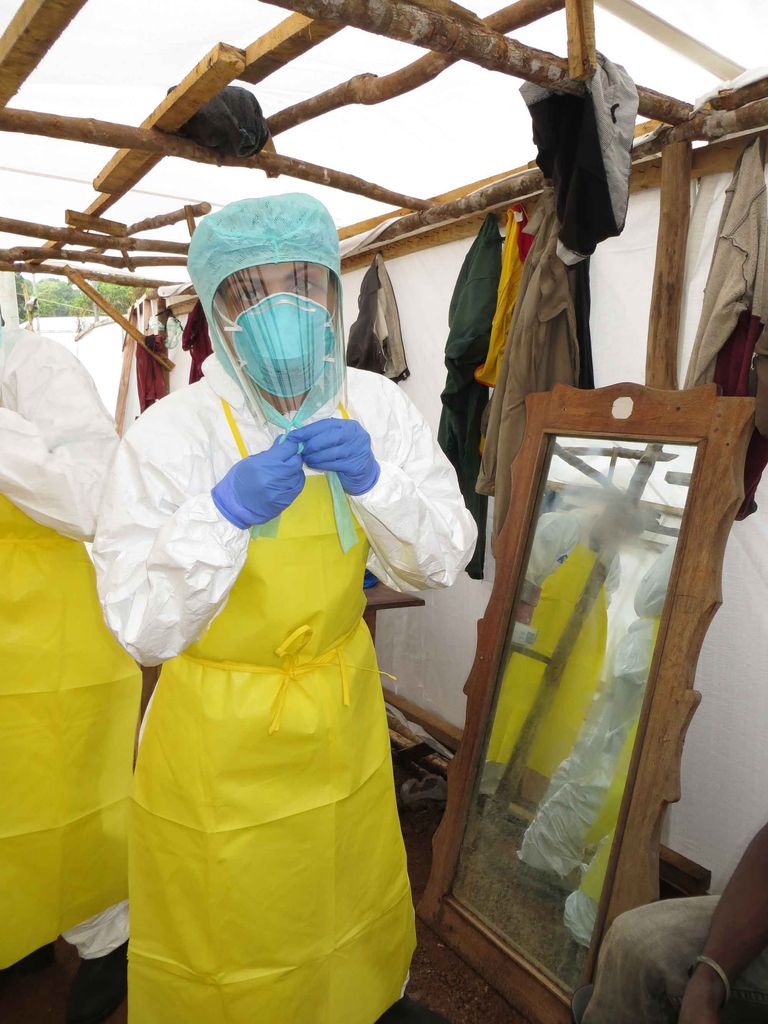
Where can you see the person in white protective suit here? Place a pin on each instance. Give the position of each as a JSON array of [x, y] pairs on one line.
[[69, 696], [268, 878], [564, 549], [577, 813]]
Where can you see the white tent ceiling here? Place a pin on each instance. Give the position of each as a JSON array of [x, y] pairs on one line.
[[118, 58]]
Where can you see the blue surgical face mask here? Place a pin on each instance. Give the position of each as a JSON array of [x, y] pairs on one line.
[[284, 342]]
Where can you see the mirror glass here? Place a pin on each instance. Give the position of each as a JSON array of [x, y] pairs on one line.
[[569, 693]]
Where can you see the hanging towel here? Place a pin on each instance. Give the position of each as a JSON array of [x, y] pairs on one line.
[[512, 258], [196, 341], [151, 380]]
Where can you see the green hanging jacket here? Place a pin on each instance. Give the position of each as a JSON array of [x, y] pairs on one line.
[[470, 317]]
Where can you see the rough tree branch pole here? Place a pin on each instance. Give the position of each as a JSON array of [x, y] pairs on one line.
[[122, 136], [370, 89], [464, 40]]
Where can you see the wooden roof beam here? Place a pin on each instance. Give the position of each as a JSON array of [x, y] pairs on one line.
[[87, 222], [90, 275], [371, 89], [217, 69], [32, 31], [163, 220], [582, 54], [464, 40], [75, 237], [25, 253], [106, 133], [282, 44], [96, 297]]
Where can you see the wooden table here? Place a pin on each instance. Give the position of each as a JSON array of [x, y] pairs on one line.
[[380, 598]]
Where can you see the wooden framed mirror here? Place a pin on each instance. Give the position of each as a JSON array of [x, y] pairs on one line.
[[607, 577]]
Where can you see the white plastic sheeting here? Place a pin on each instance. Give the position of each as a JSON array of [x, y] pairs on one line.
[[465, 125]]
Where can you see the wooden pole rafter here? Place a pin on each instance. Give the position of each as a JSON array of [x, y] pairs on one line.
[[21, 253], [582, 53], [106, 133], [371, 89], [217, 69], [59, 270], [103, 303], [669, 273], [472, 41], [282, 44], [88, 222], [75, 237], [163, 220], [32, 31]]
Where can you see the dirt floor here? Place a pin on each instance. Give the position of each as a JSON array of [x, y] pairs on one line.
[[438, 977]]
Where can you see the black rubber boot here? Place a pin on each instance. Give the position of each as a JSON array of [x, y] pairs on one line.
[[406, 1011], [38, 960], [580, 1002], [99, 987]]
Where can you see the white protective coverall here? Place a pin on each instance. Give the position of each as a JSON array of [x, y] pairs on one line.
[[166, 558], [56, 443], [556, 839]]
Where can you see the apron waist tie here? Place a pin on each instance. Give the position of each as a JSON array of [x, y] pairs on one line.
[[291, 669]]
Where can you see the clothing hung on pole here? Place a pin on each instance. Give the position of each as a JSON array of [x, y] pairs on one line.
[[516, 246], [151, 379], [470, 319], [584, 148], [375, 339], [196, 341], [542, 350]]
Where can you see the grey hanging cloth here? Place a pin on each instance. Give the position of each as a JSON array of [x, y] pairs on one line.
[[231, 123], [585, 148], [375, 340]]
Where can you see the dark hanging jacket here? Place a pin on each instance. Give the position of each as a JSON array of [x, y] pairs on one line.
[[584, 147], [470, 317], [375, 340]]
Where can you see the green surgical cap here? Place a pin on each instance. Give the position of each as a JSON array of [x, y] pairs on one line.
[[251, 232]]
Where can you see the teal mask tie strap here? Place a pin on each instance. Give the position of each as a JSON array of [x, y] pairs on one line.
[[345, 523]]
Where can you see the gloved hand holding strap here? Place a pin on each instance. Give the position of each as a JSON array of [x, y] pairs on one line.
[[342, 447], [259, 487]]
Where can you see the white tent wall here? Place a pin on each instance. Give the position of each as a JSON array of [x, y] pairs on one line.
[[431, 650]]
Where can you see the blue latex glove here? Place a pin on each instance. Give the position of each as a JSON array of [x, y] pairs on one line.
[[342, 447], [259, 487]]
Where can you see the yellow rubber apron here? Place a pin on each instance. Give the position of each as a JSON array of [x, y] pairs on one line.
[[268, 873], [520, 684], [69, 703]]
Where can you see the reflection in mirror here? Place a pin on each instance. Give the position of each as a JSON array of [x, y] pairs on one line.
[[571, 684]]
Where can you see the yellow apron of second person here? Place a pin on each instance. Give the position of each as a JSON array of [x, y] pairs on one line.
[[522, 676], [69, 704], [268, 873]]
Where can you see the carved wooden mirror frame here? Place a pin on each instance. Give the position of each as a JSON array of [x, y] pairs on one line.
[[720, 428]]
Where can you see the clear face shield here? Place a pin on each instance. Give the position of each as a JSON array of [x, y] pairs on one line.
[[280, 324]]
